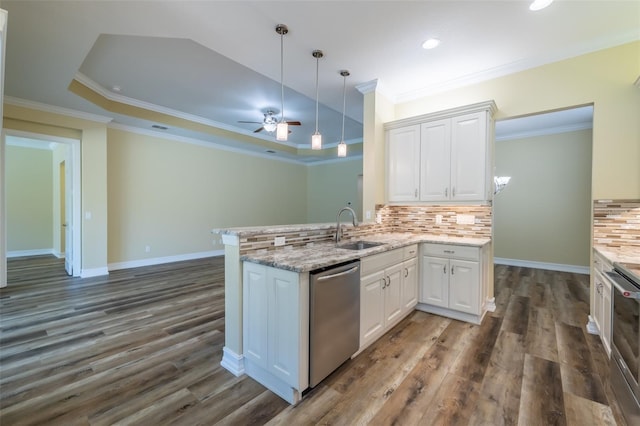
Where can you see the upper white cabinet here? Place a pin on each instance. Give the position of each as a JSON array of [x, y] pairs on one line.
[[445, 156], [404, 163]]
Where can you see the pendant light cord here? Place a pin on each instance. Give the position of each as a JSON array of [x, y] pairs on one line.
[[317, 71], [344, 99], [282, 74]]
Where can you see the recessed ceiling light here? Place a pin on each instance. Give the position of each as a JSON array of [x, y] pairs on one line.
[[157, 126], [539, 4], [431, 43], [116, 88], [270, 151]]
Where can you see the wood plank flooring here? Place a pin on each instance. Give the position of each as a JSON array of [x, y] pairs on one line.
[[143, 346]]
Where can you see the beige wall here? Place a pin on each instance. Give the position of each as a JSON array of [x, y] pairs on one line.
[[330, 187], [29, 186], [604, 78], [168, 195], [61, 152], [544, 213]]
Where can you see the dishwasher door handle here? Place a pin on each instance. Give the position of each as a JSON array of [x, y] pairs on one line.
[[339, 274]]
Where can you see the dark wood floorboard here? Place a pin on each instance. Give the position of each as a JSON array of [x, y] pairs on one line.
[[143, 346]]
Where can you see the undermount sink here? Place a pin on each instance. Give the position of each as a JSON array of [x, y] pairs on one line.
[[359, 245]]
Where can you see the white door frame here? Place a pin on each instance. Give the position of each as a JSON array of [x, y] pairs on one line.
[[74, 164]]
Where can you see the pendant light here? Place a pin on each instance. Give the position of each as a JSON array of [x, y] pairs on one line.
[[342, 147], [316, 138], [282, 129]]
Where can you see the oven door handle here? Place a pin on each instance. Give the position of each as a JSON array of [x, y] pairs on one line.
[[623, 286]]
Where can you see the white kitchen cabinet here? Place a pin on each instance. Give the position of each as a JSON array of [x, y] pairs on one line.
[[453, 281], [452, 161], [602, 300], [388, 291], [275, 328], [403, 159]]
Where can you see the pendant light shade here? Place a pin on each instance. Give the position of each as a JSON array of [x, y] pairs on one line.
[[342, 147], [282, 129], [316, 138]]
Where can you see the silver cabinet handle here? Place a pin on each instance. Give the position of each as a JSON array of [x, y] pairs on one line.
[[406, 272], [453, 192], [446, 192], [415, 194], [388, 282], [451, 269], [450, 251], [444, 269]]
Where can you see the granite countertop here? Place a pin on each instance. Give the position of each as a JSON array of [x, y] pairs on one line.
[[320, 255], [629, 255], [273, 229]]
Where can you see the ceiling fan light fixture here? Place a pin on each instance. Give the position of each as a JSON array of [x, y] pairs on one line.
[[282, 130], [342, 146], [316, 138], [539, 4]]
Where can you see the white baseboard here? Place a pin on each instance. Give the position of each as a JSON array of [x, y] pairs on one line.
[[542, 265], [35, 252], [166, 259], [94, 272], [232, 362], [490, 304], [58, 254]]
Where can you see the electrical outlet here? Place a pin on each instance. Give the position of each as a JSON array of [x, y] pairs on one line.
[[438, 219], [147, 249], [465, 219], [278, 241], [368, 214]]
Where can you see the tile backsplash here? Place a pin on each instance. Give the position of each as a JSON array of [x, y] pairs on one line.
[[413, 219], [616, 223]]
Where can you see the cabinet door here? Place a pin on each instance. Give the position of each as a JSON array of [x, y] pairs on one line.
[[371, 307], [468, 157], [283, 324], [403, 164], [255, 313], [464, 283], [434, 288], [606, 316], [409, 284], [435, 159], [392, 294]]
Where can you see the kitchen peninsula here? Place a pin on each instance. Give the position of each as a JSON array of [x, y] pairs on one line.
[[267, 275]]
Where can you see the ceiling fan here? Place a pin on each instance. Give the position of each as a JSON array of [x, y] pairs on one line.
[[269, 122]]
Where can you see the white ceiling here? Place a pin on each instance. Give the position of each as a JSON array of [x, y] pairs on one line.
[[218, 62]]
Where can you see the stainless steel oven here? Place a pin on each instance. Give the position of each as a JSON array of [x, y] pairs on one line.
[[625, 347]]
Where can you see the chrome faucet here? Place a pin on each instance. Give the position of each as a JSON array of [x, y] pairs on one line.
[[338, 228]]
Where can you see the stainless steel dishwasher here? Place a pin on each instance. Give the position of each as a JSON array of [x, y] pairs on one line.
[[334, 318]]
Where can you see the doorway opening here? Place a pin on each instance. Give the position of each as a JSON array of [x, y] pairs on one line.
[[542, 217], [42, 184]]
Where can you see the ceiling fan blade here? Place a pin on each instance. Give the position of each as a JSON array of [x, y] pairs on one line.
[[251, 122], [294, 123], [258, 130]]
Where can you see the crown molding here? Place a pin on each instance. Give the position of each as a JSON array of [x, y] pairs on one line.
[[209, 144], [335, 160], [92, 85], [10, 100], [545, 131], [367, 87], [515, 67], [489, 106]]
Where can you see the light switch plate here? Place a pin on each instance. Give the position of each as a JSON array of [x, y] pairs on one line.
[[438, 219], [278, 241], [465, 219]]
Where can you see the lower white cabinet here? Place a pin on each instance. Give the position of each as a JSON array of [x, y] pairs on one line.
[[453, 281], [275, 328], [602, 300], [388, 291]]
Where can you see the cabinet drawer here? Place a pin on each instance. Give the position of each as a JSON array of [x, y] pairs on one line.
[[600, 263], [379, 261], [451, 251], [410, 251]]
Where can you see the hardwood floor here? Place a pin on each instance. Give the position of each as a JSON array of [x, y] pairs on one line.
[[143, 346]]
